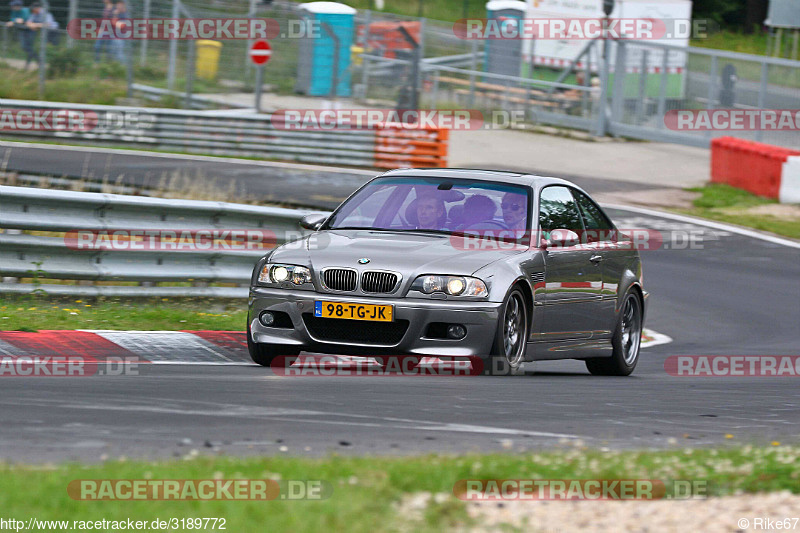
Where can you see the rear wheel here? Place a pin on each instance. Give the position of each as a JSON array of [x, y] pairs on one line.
[[265, 354], [511, 339], [626, 341]]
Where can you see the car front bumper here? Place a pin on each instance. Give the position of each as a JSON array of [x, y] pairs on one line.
[[479, 318]]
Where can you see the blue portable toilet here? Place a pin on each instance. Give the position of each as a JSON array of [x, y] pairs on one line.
[[504, 56], [315, 65]]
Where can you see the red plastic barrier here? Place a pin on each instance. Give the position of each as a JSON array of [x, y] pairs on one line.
[[748, 165]]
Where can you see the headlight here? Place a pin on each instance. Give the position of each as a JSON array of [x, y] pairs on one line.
[[452, 285], [272, 273]]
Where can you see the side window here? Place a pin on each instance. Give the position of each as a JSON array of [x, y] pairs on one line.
[[598, 227], [558, 210]]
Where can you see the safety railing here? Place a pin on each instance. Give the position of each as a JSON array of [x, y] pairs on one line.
[[109, 244], [233, 134]]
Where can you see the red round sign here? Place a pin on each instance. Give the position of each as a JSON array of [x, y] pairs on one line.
[[260, 52]]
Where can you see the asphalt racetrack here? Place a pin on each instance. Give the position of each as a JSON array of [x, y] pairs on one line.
[[714, 292]]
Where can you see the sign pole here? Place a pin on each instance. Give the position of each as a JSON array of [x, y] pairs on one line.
[[259, 84], [260, 52]]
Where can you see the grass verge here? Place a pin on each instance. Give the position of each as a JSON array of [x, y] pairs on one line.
[[367, 492], [35, 312], [718, 201]]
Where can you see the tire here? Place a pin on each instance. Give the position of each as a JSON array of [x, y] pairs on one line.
[[511, 338], [265, 354], [403, 362], [626, 342]]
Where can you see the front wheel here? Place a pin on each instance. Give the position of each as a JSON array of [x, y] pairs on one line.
[[511, 339], [626, 341], [265, 354]]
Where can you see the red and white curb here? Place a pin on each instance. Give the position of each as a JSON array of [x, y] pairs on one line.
[[159, 347]]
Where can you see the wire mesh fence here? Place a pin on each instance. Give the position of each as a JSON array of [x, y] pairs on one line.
[[400, 61], [681, 91]]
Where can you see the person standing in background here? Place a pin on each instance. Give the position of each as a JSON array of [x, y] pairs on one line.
[[119, 19], [19, 16], [103, 45], [41, 18]]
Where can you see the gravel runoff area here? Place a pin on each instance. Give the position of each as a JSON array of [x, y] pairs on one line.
[[724, 514]]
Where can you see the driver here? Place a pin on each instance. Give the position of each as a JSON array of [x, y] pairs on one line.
[[430, 212], [515, 213]]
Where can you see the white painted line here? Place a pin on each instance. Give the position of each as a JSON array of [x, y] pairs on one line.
[[199, 363], [707, 223], [466, 428], [9, 349], [165, 345], [190, 157], [655, 338]]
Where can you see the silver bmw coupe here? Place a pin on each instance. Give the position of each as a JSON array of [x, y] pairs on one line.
[[497, 267]]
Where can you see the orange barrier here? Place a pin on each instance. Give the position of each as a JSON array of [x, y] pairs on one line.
[[748, 165], [386, 38], [398, 146]]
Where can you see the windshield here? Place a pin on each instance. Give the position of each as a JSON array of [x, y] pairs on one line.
[[437, 205]]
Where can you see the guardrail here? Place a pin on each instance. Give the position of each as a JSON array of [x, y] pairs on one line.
[[235, 134], [40, 257]]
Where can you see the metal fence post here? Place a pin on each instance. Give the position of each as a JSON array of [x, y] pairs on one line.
[[190, 73], [712, 84], [435, 95], [72, 15], [143, 46], [42, 59], [602, 104], [416, 59], [662, 91], [364, 56], [473, 66], [251, 12], [762, 94], [620, 73], [173, 49], [129, 69], [336, 51], [642, 88]]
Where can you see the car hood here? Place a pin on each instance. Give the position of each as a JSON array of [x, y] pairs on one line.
[[410, 254]]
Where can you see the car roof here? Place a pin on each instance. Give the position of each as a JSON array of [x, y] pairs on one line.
[[499, 176]]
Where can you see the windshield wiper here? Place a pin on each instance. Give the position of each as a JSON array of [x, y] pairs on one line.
[[428, 231], [396, 230]]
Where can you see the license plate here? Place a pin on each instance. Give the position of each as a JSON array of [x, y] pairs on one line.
[[375, 313]]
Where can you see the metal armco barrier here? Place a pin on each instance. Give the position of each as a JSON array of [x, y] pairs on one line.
[[50, 257], [236, 134], [762, 169]]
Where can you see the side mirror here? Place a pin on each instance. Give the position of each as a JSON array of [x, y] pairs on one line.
[[560, 238], [312, 221]]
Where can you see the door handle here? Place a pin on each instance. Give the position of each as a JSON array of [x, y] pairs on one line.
[[596, 258]]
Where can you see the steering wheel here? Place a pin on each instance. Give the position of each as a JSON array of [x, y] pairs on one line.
[[486, 225]]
